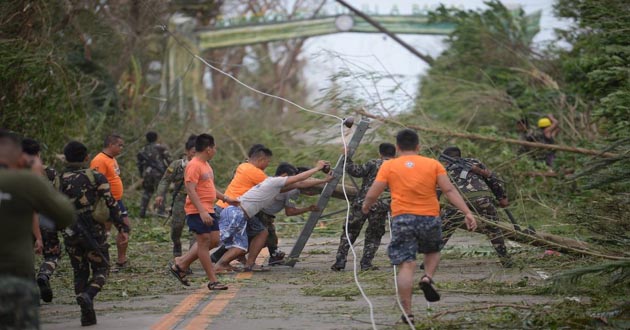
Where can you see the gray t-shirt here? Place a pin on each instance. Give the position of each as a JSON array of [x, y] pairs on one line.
[[262, 195], [282, 200]]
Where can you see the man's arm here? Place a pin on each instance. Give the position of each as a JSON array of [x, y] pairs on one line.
[[456, 199], [166, 180], [291, 211], [371, 196], [227, 199], [306, 174], [103, 191], [39, 244], [356, 170], [140, 163], [50, 202], [496, 187], [310, 182], [552, 131]]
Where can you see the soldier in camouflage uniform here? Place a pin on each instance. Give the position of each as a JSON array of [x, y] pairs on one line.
[[479, 191], [153, 160], [22, 193], [376, 217], [86, 241], [51, 249], [175, 174]]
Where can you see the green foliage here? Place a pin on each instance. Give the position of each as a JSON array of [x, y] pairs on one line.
[[597, 69], [597, 66]]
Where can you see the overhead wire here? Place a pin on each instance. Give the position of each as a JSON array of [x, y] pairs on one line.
[[345, 147]]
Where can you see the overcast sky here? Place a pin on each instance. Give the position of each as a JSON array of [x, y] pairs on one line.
[[383, 54]]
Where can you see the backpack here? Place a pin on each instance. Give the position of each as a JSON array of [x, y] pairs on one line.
[[100, 210]]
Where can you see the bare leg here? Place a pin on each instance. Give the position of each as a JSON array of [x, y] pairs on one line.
[[204, 241], [431, 261], [185, 260], [228, 256], [121, 246], [257, 244], [406, 271]]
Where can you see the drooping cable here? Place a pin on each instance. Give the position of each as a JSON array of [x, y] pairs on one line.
[[345, 147]]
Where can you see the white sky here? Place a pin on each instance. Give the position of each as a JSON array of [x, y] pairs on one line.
[[383, 54]]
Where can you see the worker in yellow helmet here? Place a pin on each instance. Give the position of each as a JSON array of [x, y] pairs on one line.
[[548, 130]]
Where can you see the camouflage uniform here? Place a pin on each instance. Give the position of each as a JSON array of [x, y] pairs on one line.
[[83, 254], [52, 245], [18, 303], [478, 193], [544, 155], [175, 174], [153, 159], [376, 217]]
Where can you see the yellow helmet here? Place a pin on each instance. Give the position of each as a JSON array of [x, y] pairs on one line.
[[544, 122]]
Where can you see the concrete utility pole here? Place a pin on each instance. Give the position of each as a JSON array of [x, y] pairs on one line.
[[326, 194], [428, 59]]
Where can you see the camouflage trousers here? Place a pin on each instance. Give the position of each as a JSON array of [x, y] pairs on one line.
[[178, 221], [19, 303], [51, 252], [376, 219], [272, 239], [149, 184], [83, 257], [452, 219]]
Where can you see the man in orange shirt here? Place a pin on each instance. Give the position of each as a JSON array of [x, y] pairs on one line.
[[105, 162], [415, 224], [247, 175], [199, 207]]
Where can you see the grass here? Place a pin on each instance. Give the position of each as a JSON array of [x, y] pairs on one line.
[[550, 305]]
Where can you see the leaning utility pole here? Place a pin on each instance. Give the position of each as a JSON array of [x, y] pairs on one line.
[[327, 192], [378, 26]]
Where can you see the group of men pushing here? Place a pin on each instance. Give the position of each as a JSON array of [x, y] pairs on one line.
[[241, 222]]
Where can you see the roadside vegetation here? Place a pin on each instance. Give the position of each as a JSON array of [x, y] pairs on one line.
[[81, 71]]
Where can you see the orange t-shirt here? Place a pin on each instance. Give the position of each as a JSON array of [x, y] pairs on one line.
[[108, 166], [246, 176], [412, 181], [200, 172]]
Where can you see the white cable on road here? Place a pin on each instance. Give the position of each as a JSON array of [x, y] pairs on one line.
[[345, 148]]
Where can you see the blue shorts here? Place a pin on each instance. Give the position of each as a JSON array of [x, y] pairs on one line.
[[123, 209], [233, 227], [196, 225], [255, 226], [412, 234]]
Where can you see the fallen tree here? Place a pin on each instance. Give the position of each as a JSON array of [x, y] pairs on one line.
[[527, 236], [472, 136]]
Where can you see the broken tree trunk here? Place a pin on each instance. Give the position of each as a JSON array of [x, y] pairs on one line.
[[471, 136], [546, 240], [337, 193]]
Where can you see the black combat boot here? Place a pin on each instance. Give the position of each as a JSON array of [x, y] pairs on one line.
[[177, 249], [45, 292], [339, 265], [88, 316], [367, 267]]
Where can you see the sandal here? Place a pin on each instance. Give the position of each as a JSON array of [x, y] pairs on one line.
[[255, 268], [430, 294], [212, 286], [403, 319], [178, 273]]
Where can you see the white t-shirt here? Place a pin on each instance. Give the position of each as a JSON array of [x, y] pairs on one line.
[[262, 195], [282, 200]]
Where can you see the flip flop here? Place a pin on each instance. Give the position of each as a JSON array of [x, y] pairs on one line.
[[215, 286], [403, 320], [430, 294], [179, 274]]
